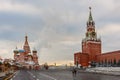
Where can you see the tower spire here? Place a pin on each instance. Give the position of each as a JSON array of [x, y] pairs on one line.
[[91, 34], [26, 45], [90, 21], [26, 40], [90, 15]]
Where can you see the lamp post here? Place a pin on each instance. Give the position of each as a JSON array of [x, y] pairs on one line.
[[77, 63]]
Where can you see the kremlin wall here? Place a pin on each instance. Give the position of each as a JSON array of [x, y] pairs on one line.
[[91, 49]]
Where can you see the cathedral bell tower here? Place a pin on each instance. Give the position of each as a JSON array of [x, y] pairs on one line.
[[91, 44]]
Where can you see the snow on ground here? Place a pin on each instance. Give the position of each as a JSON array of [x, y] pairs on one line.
[[102, 69], [105, 70]]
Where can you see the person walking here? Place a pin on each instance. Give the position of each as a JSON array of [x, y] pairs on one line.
[[74, 71]]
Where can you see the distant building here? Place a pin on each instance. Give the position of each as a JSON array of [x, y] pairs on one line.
[[25, 58], [91, 49]]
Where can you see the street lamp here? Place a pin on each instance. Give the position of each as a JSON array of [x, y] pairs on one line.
[[77, 63]]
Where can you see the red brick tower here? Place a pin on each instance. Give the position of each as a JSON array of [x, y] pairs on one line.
[[91, 44], [35, 57], [26, 46]]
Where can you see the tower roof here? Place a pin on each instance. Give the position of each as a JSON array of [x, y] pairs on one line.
[[90, 19], [26, 45], [26, 41], [91, 34]]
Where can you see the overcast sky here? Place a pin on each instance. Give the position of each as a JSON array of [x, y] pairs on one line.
[[56, 27]]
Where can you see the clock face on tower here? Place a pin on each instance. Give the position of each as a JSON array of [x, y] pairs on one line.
[[93, 34]]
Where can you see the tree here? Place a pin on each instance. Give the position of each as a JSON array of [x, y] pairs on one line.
[[102, 63], [46, 66], [0, 66], [114, 64], [93, 64], [109, 63], [118, 64], [105, 62]]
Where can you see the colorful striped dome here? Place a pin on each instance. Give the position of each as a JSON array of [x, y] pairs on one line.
[[21, 51]]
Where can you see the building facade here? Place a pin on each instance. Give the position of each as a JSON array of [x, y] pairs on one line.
[[25, 58], [91, 48]]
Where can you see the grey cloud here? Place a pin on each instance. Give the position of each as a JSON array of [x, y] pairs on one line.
[[59, 25]]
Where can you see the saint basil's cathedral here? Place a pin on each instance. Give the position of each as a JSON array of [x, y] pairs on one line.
[[91, 49], [24, 58]]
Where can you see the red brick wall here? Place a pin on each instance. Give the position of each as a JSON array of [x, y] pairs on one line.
[[82, 58], [93, 48], [109, 56], [77, 57]]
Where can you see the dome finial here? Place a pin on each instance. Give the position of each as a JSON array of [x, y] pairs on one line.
[[90, 8]]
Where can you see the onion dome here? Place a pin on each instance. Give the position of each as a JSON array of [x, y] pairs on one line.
[[16, 50], [34, 50], [21, 51]]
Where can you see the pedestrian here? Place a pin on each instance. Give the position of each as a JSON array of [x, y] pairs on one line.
[[74, 71]]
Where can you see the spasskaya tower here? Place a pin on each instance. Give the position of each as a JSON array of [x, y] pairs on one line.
[[91, 45]]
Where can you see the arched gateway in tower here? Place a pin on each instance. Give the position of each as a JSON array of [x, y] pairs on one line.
[[24, 58]]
